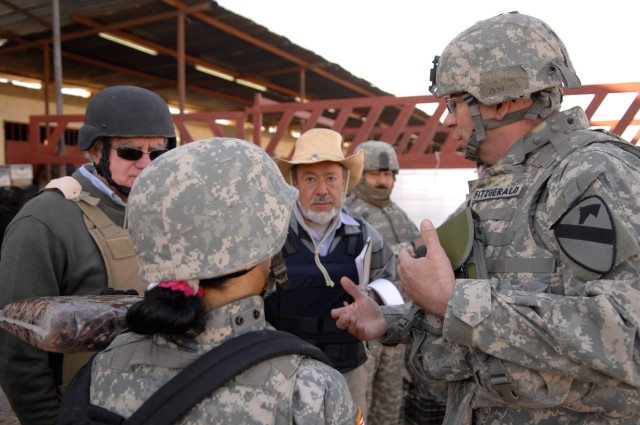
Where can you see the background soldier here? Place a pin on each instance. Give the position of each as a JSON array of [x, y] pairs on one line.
[[371, 200], [205, 221]]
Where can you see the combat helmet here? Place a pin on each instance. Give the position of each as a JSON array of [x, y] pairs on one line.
[[208, 209], [506, 57], [124, 111], [378, 156]]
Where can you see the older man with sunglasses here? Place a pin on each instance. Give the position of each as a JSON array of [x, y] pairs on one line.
[[70, 240]]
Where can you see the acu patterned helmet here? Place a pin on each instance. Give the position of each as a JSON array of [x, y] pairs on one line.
[[505, 57], [208, 209], [378, 156]]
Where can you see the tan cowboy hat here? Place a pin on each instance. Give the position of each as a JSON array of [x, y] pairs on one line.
[[318, 145]]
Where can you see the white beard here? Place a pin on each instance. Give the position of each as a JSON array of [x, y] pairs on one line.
[[321, 218]]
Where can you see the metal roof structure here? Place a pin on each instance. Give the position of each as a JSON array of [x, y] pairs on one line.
[[188, 40], [263, 81]]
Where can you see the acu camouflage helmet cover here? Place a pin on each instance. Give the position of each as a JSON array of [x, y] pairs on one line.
[[208, 209], [378, 156], [505, 57]]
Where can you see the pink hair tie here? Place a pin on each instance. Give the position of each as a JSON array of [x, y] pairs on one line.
[[188, 288]]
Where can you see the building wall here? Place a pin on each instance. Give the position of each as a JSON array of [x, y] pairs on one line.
[[17, 104], [431, 193]]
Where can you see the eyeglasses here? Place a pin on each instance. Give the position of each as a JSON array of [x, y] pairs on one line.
[[451, 103], [131, 154]]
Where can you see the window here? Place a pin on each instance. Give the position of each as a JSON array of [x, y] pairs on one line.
[[18, 132], [15, 132]]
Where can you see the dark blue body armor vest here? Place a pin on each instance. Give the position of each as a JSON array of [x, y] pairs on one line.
[[304, 308]]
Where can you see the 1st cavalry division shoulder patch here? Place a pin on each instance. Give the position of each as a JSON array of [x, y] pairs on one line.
[[586, 235]]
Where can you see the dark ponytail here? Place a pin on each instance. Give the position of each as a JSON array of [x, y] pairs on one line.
[[167, 312]]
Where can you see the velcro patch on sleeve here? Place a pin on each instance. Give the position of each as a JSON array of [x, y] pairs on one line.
[[586, 234]]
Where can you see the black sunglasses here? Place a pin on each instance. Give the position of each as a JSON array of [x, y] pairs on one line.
[[131, 154]]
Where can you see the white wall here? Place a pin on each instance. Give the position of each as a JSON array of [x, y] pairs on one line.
[[431, 193]]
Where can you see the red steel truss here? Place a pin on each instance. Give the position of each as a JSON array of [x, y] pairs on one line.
[[412, 124]]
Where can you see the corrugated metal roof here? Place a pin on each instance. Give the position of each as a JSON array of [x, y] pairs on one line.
[[214, 38]]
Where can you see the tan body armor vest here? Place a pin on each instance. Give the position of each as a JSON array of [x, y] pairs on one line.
[[117, 251], [113, 241]]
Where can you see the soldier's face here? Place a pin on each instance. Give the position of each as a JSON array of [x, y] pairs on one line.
[[459, 120], [379, 179], [321, 187]]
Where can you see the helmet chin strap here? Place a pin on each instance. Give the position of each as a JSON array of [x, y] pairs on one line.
[[103, 170], [478, 133], [544, 103]]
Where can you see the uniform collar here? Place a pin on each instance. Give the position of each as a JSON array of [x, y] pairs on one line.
[[87, 172], [551, 130]]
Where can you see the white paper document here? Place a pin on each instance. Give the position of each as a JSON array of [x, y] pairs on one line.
[[363, 262], [387, 291]]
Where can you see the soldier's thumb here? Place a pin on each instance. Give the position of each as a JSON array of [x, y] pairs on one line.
[[429, 234]]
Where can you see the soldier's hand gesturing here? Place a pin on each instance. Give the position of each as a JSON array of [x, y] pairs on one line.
[[427, 281], [363, 318]]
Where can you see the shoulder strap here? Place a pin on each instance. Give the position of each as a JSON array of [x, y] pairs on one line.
[[76, 396], [355, 241], [213, 369], [67, 185], [113, 241], [290, 245], [76, 407], [115, 244]]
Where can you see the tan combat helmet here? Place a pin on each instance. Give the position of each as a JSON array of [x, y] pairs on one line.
[[506, 57], [208, 209], [378, 156]]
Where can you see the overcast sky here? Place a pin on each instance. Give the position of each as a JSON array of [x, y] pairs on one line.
[[391, 43]]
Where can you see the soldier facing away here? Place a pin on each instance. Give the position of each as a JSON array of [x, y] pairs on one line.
[[551, 336], [205, 220]]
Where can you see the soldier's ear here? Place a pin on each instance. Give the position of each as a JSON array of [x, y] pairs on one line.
[[502, 109], [95, 151]]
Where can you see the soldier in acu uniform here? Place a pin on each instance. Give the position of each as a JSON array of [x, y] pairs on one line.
[[371, 200], [550, 336], [205, 220]]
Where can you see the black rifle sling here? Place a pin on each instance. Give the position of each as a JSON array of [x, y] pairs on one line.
[[213, 369], [76, 409]]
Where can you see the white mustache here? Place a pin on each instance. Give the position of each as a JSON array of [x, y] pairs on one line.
[[325, 198]]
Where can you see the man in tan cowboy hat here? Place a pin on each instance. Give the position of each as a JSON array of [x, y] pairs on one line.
[[321, 247]]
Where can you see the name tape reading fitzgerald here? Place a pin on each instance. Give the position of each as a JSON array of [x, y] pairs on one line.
[[496, 192]]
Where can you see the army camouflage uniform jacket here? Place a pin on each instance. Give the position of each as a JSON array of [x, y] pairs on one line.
[[390, 220], [289, 389], [552, 336], [385, 365]]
